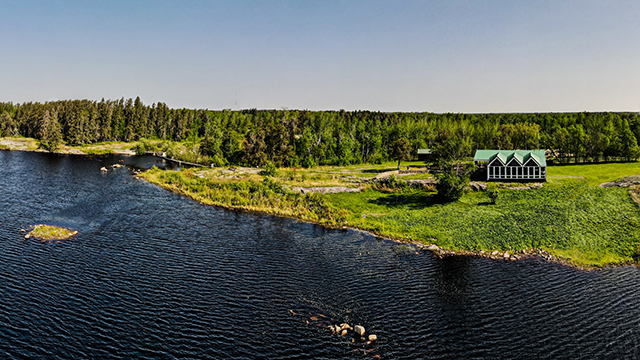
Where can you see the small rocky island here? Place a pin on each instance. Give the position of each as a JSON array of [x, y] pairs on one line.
[[49, 233]]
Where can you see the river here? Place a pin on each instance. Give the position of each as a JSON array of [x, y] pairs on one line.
[[153, 275]]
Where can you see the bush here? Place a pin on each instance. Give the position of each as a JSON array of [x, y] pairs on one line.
[[140, 148], [269, 170], [274, 186], [391, 183], [451, 187], [493, 192]]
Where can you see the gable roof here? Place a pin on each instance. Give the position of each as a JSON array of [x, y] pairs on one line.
[[507, 155]]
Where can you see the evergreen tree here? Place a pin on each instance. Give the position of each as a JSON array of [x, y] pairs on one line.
[[50, 132], [7, 126]]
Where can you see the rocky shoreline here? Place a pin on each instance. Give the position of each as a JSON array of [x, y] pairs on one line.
[[539, 253]]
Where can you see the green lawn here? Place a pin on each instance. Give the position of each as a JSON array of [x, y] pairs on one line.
[[592, 225], [594, 174]]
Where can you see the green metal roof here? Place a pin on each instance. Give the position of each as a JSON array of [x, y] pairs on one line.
[[507, 155], [424, 151]]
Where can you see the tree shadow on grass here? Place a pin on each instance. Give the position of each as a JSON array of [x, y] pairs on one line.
[[411, 201]]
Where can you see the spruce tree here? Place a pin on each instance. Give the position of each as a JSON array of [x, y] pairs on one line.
[[50, 132], [7, 127]]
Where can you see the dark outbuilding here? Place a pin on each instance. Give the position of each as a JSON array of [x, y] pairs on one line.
[[425, 155]]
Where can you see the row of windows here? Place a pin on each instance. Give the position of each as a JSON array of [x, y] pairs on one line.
[[501, 172]]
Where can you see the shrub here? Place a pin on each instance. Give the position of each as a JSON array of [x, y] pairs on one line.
[[273, 185], [269, 170], [451, 187], [390, 184], [493, 192], [140, 148]]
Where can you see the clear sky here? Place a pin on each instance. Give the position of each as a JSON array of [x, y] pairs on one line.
[[436, 56]]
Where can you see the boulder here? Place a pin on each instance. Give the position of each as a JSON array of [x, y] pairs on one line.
[[495, 253], [506, 255], [372, 337], [344, 332], [433, 247], [103, 169], [359, 330]]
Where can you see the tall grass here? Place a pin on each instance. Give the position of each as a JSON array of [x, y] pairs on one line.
[[268, 196]]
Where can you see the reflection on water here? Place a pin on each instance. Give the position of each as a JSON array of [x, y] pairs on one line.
[[154, 275]]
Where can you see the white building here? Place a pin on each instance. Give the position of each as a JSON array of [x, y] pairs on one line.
[[512, 165]]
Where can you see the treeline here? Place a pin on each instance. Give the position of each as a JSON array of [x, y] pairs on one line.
[[308, 138]]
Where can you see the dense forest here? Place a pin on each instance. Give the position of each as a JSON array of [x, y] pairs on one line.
[[307, 138]]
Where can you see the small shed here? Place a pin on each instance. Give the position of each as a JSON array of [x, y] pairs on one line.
[[512, 165], [425, 155]]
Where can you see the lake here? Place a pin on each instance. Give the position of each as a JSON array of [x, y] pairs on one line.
[[153, 275]]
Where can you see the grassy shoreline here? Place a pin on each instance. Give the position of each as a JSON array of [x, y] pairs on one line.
[[105, 148], [569, 218]]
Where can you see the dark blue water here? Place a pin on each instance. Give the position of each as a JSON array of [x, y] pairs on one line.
[[153, 275]]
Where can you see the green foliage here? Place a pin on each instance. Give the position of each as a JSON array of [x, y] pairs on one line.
[[451, 187], [451, 150], [140, 148], [401, 150], [316, 138], [269, 169], [493, 192], [50, 132], [7, 126], [390, 184]]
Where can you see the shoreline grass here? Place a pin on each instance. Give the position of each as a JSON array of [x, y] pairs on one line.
[[267, 196]]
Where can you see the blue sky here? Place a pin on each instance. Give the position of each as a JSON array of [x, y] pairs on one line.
[[437, 56]]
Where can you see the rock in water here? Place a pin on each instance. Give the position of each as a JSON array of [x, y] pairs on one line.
[[343, 333], [103, 169], [373, 337], [359, 330]]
